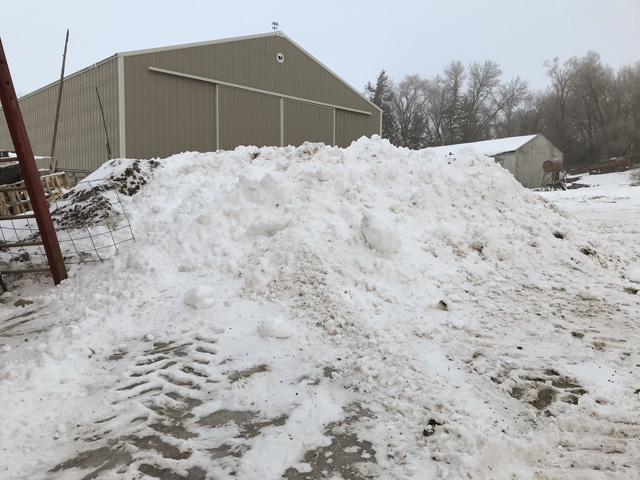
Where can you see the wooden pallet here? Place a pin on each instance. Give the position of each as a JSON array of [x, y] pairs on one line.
[[14, 198]]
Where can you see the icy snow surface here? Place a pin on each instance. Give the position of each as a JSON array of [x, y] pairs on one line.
[[317, 312]]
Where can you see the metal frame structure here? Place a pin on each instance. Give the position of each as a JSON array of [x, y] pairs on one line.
[[554, 175]]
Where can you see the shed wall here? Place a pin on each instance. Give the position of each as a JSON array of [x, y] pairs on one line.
[[303, 122], [529, 160], [350, 126], [81, 138], [244, 115], [248, 118], [508, 161], [167, 115]]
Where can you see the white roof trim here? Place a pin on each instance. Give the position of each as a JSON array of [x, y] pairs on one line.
[[195, 44], [71, 75]]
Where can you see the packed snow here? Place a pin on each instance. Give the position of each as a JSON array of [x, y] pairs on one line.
[[328, 313]]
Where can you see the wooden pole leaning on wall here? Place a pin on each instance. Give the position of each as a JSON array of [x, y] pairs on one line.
[[52, 161], [22, 146]]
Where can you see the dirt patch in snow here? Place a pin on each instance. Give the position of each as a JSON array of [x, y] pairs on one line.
[[134, 176], [91, 204]]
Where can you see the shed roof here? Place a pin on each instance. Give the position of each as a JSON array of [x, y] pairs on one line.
[[488, 147]]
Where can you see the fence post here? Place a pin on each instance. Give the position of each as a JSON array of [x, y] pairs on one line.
[[22, 146]]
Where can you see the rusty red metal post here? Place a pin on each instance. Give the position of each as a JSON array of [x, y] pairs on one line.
[[22, 146]]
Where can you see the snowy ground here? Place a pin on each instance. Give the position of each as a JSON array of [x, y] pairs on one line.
[[318, 312]]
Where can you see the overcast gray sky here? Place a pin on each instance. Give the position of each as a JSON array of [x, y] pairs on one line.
[[354, 38]]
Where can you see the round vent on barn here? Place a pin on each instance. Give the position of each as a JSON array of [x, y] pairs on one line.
[[280, 57]]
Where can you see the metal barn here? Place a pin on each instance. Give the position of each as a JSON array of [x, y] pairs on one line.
[[261, 90], [523, 156]]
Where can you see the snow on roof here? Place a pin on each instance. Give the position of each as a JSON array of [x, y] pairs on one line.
[[488, 147]]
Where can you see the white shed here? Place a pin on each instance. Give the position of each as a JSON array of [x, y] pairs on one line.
[[523, 156]]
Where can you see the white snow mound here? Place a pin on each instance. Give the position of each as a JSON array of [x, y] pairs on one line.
[[200, 297], [378, 236], [634, 273], [275, 327]]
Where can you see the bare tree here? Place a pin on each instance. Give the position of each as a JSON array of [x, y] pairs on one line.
[[409, 110], [563, 79], [595, 88], [588, 110], [500, 110], [526, 118], [445, 96], [476, 110], [628, 94]]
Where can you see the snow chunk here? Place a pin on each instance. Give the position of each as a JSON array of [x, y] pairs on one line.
[[200, 297], [378, 236], [275, 327], [587, 294], [268, 226], [259, 277], [323, 175], [634, 273]]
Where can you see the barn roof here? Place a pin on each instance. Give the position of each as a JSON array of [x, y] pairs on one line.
[[250, 37], [488, 147], [201, 44], [210, 42]]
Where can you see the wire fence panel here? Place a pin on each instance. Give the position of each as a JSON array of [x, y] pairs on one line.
[[90, 222]]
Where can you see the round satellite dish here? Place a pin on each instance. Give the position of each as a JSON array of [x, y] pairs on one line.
[[280, 57]]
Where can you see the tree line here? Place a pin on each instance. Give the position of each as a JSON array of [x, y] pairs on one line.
[[589, 111]]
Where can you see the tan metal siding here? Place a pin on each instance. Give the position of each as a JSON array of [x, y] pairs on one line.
[[248, 118], [81, 141], [245, 117], [165, 115], [351, 126], [253, 63], [305, 122]]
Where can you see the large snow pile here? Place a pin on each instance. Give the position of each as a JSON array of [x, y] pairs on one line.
[[318, 312]]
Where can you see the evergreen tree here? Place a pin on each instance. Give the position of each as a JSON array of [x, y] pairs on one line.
[[382, 95]]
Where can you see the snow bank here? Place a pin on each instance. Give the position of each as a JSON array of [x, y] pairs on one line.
[[402, 275]]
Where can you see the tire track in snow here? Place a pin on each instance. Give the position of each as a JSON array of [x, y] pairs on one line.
[[157, 425], [149, 424]]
